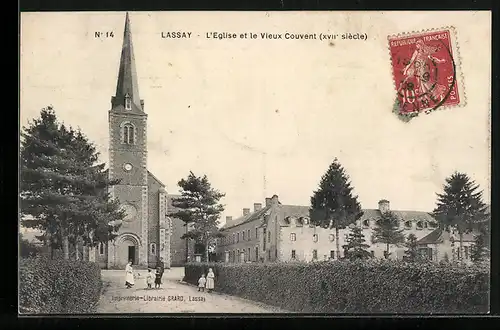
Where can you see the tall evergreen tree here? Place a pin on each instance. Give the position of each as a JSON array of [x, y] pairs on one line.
[[411, 254], [199, 205], [460, 206], [387, 231], [356, 248], [62, 187], [333, 205]]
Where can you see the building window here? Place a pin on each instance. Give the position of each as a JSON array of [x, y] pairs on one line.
[[128, 103], [264, 238], [234, 238], [315, 237], [315, 254], [269, 236], [372, 253], [331, 237], [407, 224], [293, 254], [366, 223], [420, 225], [153, 248], [256, 233], [128, 134], [332, 254], [237, 237], [466, 252], [269, 255], [248, 234], [256, 253], [293, 237], [426, 253], [101, 248], [248, 255], [306, 221], [243, 236]]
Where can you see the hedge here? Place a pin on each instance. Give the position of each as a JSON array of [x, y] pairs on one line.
[[374, 286], [58, 286]]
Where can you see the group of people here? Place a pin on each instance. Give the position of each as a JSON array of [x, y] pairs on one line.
[[130, 278], [208, 282]]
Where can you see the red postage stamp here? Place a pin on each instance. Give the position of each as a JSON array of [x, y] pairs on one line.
[[426, 71]]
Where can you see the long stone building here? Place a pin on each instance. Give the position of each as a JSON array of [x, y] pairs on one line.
[[278, 232]]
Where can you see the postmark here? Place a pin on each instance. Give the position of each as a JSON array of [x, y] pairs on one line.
[[426, 71]]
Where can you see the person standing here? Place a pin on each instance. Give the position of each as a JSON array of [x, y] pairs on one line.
[[149, 279], [157, 278], [201, 283], [210, 280], [160, 265], [129, 275]]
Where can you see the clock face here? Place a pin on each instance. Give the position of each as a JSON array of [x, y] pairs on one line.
[[130, 212], [127, 167]]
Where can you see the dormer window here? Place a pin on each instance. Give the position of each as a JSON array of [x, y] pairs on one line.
[[420, 225], [366, 223], [305, 221], [408, 224], [128, 102], [425, 224]]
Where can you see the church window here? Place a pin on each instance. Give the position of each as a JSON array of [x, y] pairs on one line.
[[128, 134], [101, 248], [153, 248]]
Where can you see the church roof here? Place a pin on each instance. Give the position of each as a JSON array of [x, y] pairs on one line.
[[127, 84], [156, 179]]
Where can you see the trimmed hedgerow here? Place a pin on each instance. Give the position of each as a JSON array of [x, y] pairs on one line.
[[374, 286], [49, 286]]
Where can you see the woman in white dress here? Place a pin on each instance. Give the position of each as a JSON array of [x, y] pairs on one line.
[[210, 280], [129, 275]]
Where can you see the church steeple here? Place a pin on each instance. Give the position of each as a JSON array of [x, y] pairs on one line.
[[127, 87]]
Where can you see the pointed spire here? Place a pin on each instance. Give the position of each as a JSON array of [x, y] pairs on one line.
[[127, 85]]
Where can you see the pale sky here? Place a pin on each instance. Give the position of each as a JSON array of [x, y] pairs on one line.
[[264, 117]]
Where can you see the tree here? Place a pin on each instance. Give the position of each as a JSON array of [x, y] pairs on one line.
[[480, 249], [356, 246], [62, 188], [411, 254], [387, 231], [199, 206], [460, 206], [333, 205]]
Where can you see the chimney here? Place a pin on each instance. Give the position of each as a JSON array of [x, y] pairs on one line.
[[229, 219], [384, 206], [246, 212], [268, 202], [257, 207]]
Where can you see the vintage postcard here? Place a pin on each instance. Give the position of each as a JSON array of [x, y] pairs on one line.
[[255, 162]]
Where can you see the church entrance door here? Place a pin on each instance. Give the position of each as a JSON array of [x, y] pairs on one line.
[[131, 254]]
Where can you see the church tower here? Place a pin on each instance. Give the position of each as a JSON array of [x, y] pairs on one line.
[[128, 161]]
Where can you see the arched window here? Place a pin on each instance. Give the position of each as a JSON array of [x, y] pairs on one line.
[[128, 133], [101, 248], [315, 237], [152, 248], [331, 237]]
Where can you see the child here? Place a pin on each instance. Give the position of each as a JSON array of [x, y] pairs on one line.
[[157, 278], [149, 279], [201, 283]]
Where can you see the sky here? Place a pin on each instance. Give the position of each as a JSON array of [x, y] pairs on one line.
[[264, 117]]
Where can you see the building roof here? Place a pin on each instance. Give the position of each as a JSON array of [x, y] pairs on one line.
[[438, 236], [156, 179], [246, 218], [127, 84]]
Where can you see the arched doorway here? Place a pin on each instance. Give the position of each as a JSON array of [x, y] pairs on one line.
[[128, 249]]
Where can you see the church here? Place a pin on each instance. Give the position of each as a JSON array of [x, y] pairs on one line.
[[146, 233]]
